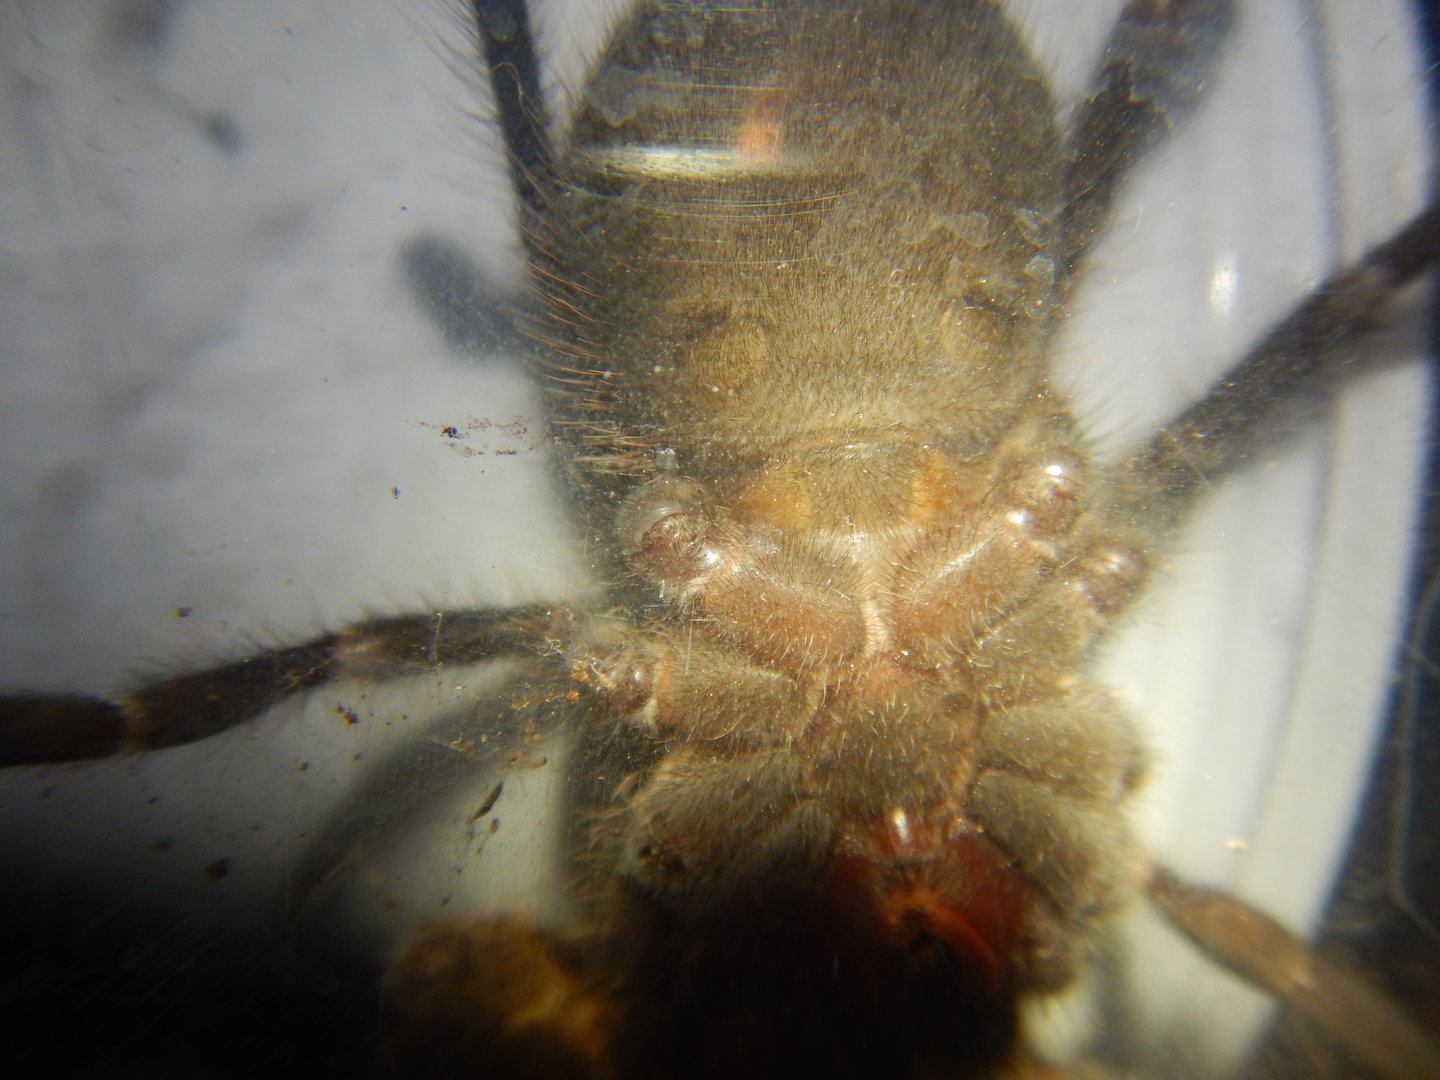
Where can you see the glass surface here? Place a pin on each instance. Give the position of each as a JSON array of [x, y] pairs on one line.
[[226, 422]]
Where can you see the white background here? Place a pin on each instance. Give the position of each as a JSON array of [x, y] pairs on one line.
[[213, 374]]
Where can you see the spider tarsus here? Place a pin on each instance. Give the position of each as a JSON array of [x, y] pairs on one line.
[[1371, 1027], [1153, 72], [46, 728], [508, 48], [37, 728]]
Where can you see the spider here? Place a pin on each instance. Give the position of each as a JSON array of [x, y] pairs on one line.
[[453, 745]]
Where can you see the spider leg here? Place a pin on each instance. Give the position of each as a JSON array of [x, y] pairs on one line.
[[1156, 62], [1372, 1029], [1279, 385], [508, 48], [39, 728]]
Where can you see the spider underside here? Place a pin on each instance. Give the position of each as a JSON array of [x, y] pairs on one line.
[[834, 716]]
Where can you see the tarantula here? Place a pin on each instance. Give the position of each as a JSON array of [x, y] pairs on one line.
[[849, 791]]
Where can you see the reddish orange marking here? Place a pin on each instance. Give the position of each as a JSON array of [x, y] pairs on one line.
[[761, 137]]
